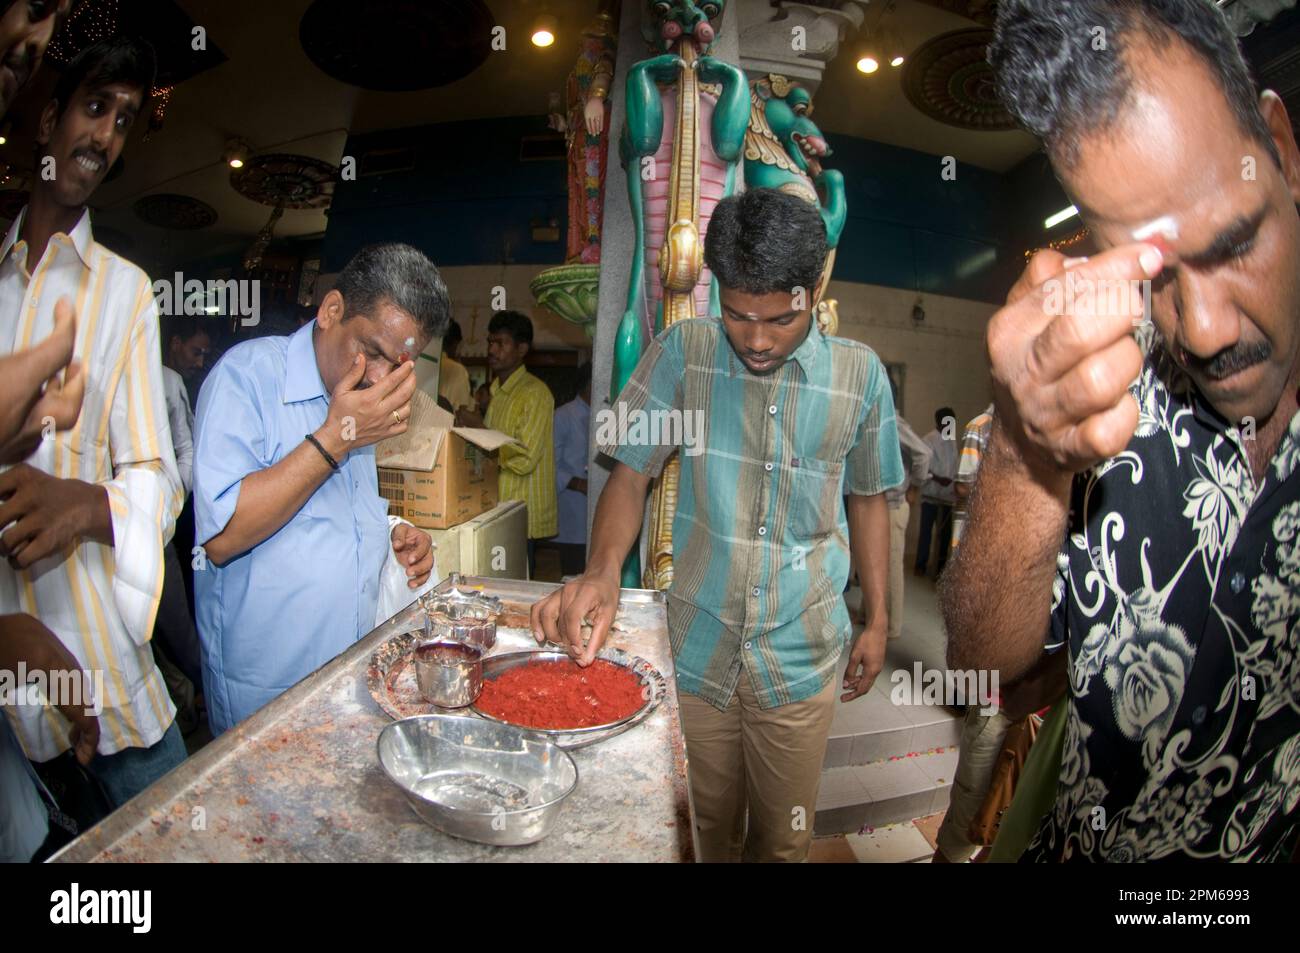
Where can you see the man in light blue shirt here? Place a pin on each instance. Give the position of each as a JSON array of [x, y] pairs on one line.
[[287, 503], [572, 427]]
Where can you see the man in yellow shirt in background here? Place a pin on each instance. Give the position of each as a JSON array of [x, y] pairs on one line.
[[453, 378], [522, 407]]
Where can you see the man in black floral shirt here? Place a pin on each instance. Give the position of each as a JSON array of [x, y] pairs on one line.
[[1177, 584]]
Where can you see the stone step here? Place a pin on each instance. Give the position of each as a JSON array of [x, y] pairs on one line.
[[872, 728], [884, 792]]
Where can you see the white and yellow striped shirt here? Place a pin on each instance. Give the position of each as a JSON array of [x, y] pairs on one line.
[[99, 600]]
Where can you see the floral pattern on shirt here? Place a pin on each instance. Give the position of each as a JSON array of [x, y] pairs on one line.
[[1178, 594]]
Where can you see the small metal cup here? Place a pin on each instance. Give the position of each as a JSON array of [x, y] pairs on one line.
[[449, 674]]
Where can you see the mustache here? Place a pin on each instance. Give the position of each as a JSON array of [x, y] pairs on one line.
[[1230, 360]]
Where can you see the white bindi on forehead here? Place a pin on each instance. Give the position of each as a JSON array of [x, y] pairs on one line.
[[1166, 227]]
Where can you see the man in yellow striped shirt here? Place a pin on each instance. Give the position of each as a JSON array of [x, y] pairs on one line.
[[522, 407], [84, 520]]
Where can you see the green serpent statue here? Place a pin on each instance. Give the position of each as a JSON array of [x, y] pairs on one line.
[[784, 150], [687, 114]]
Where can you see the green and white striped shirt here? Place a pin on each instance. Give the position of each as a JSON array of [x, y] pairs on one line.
[[760, 539]]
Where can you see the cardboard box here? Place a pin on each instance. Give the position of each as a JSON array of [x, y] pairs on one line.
[[437, 475], [494, 543]]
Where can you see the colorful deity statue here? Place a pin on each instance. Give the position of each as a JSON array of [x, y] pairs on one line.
[[587, 132], [687, 113], [784, 150], [572, 290]]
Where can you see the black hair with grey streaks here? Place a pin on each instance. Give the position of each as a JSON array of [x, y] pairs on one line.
[[399, 274], [1060, 88]]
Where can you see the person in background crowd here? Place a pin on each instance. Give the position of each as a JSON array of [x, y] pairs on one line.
[[453, 379], [482, 398], [975, 438], [916, 461], [1175, 586], [572, 440], [762, 546], [522, 407], [937, 497], [285, 485], [89, 513], [176, 640]]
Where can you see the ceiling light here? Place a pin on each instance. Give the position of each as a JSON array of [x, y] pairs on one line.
[[1061, 216], [544, 30], [896, 61], [6, 130], [237, 153], [867, 64]]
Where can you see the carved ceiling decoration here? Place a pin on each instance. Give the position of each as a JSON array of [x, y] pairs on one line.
[[286, 181], [177, 212], [949, 79], [398, 45]]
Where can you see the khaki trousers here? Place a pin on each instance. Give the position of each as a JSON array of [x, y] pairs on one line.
[[898, 515], [764, 762], [977, 757]]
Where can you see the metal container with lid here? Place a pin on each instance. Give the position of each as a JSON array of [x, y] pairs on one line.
[[460, 614]]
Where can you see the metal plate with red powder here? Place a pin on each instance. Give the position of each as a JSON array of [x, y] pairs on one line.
[[557, 697]]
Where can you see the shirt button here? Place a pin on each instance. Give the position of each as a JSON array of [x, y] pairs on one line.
[[762, 531], [767, 467], [754, 590], [772, 409], [1238, 582], [1198, 716], [748, 646]]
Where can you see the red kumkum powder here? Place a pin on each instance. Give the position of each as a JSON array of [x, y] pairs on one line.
[[559, 695]]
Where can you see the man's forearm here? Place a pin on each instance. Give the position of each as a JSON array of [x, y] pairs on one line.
[[617, 522], [996, 593], [868, 519], [269, 498]]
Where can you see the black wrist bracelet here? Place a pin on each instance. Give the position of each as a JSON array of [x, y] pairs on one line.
[[334, 464]]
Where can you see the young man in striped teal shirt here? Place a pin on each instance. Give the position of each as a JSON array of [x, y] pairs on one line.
[[785, 422]]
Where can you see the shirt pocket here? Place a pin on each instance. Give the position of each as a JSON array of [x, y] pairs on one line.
[[816, 502]]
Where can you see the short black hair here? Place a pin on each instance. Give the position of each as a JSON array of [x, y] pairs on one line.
[[514, 323], [453, 335], [114, 59], [583, 377], [763, 241], [942, 415], [1058, 85], [185, 328], [398, 273]]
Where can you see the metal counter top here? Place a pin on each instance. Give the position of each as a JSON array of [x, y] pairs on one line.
[[300, 780]]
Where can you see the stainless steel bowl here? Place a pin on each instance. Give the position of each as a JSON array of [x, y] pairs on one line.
[[479, 780], [449, 674]]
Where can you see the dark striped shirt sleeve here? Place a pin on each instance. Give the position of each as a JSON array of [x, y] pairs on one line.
[[655, 385], [875, 464]]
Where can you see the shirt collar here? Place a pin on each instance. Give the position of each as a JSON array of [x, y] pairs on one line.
[[302, 380], [515, 378], [82, 239], [807, 355]]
